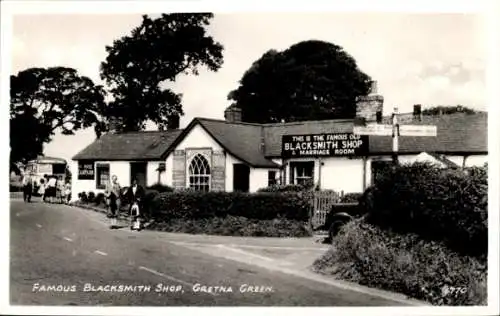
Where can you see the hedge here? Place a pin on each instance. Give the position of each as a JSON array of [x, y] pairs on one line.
[[160, 188], [447, 205], [404, 263], [262, 206], [233, 226]]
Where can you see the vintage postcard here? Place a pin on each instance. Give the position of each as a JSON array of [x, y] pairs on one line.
[[167, 154]]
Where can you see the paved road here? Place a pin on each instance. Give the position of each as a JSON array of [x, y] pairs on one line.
[[62, 255]]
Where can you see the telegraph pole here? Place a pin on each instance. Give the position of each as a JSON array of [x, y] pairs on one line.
[[395, 136]]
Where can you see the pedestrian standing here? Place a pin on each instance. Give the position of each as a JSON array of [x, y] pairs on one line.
[[51, 189], [112, 193], [27, 187], [41, 189], [67, 192], [135, 195], [60, 190]]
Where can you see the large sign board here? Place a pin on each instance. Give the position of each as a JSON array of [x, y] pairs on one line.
[[86, 170], [324, 145]]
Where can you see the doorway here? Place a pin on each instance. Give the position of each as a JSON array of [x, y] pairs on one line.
[[241, 177], [138, 170]]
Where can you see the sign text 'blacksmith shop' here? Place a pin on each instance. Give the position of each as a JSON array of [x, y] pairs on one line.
[[324, 145]]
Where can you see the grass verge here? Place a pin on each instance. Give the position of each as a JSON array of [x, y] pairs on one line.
[[420, 269]]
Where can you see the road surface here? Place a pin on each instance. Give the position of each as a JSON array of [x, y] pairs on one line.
[[60, 255]]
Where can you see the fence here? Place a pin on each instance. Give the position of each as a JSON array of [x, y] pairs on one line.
[[322, 204]]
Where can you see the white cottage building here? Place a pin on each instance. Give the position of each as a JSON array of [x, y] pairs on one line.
[[230, 155]]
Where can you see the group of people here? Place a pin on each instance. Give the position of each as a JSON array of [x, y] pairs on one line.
[[135, 198], [52, 189]]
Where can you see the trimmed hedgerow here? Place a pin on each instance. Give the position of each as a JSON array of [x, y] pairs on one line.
[[448, 205], [234, 226], [262, 206], [284, 188], [404, 263], [91, 197], [160, 188]]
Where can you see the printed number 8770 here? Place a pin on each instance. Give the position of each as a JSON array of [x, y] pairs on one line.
[[450, 290]]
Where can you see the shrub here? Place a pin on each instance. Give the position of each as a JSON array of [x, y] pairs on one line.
[[150, 196], [160, 188], [263, 206], [373, 257], [234, 226], [91, 197], [350, 197], [447, 205], [284, 188], [83, 197], [100, 199]]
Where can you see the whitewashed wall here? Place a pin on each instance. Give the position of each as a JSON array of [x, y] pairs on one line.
[[198, 138], [342, 174], [119, 168], [152, 173], [470, 161], [259, 178]]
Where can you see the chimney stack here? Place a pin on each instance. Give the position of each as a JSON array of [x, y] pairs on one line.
[[417, 112], [232, 114], [173, 122], [114, 125], [368, 106]]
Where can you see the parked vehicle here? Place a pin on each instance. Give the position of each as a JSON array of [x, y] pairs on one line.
[[342, 213], [45, 166]]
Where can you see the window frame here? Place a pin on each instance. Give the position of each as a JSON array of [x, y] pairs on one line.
[[98, 169], [300, 178], [271, 180], [197, 181]]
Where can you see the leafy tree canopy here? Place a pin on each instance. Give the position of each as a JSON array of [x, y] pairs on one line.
[[43, 100], [157, 51], [441, 109], [311, 80]]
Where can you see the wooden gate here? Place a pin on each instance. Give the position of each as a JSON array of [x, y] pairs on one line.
[[322, 204]]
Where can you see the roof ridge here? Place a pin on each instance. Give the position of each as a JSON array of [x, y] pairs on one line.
[[307, 121], [224, 121]]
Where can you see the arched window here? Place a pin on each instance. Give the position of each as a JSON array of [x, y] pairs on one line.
[[199, 173]]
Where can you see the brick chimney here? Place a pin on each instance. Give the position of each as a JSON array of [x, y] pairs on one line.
[[232, 114], [173, 122], [368, 106], [417, 112], [114, 125]]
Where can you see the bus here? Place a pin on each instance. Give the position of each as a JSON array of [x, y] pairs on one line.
[[45, 166]]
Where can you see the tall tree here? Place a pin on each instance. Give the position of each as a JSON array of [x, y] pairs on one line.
[[44, 100], [156, 52], [444, 110], [311, 80]]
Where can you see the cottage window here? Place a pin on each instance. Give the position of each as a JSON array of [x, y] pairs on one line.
[[199, 173], [302, 172], [271, 178], [102, 171]]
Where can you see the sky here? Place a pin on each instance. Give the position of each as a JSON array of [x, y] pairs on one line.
[[428, 59]]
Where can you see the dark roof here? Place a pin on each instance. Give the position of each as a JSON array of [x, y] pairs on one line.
[[256, 144], [242, 140], [47, 159], [146, 145], [456, 133]]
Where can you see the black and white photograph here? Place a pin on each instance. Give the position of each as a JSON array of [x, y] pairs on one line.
[[164, 154]]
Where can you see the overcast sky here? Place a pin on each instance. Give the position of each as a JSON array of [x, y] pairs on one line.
[[429, 59]]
